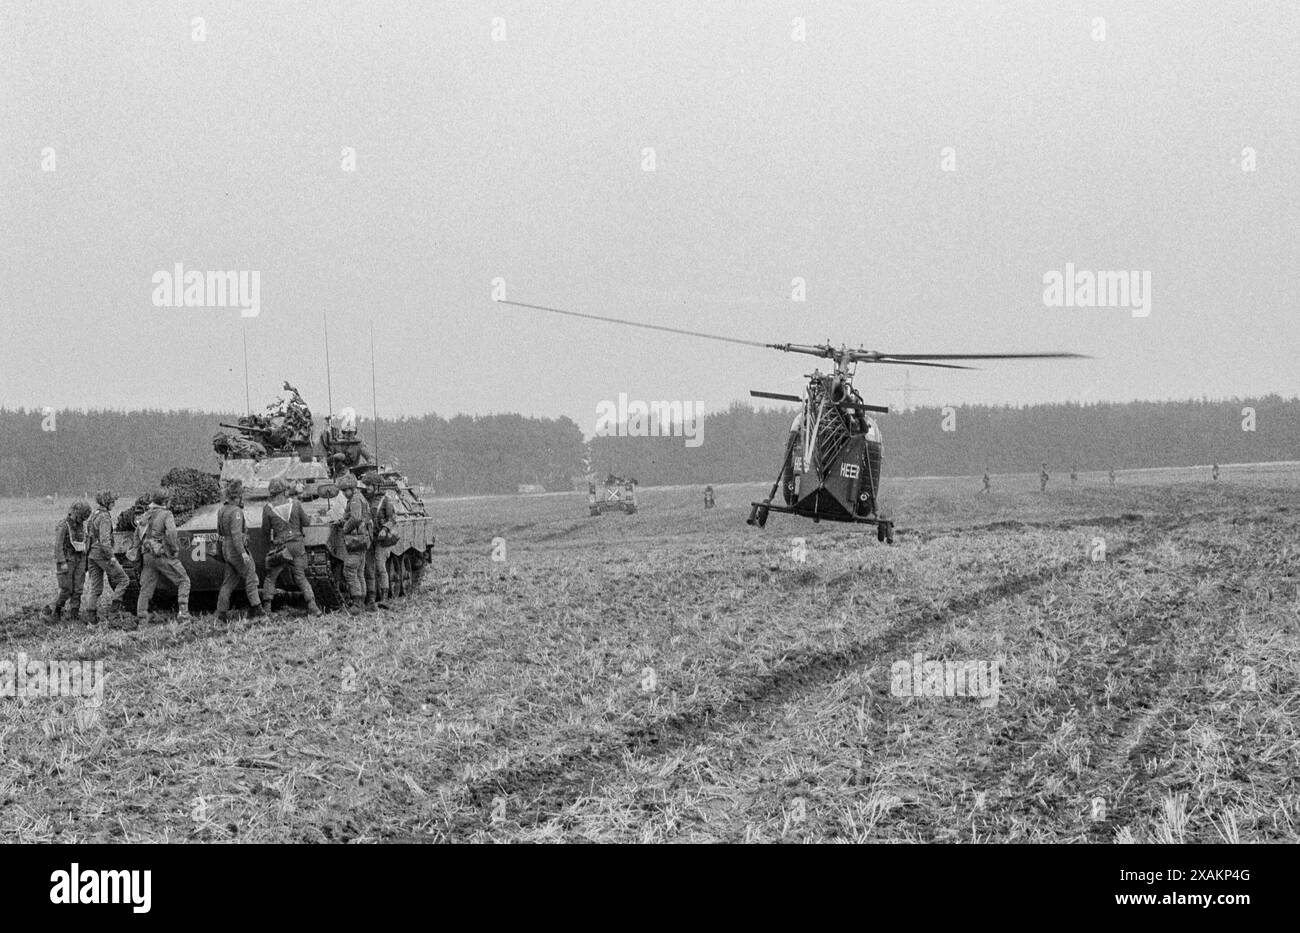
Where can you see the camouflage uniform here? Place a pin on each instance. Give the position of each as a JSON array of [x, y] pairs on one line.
[[383, 511], [358, 566], [240, 568], [158, 530], [283, 527], [70, 559], [100, 560]]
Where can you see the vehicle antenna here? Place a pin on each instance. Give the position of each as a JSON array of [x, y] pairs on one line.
[[374, 403], [329, 383]]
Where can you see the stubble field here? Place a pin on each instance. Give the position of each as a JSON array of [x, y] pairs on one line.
[[676, 675]]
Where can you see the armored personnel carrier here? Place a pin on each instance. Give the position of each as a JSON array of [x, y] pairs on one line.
[[281, 444], [617, 495]]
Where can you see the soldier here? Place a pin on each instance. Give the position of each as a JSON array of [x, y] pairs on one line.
[[160, 549], [283, 519], [1043, 478], [988, 482], [708, 497], [1112, 476], [384, 520], [349, 453], [1215, 473], [233, 533], [100, 561], [358, 540], [70, 550], [1074, 475]]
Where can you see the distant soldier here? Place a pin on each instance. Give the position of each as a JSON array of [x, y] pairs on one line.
[[988, 483], [283, 519], [1112, 476], [1215, 472], [70, 549], [160, 548], [708, 497], [358, 540], [1074, 474], [1043, 478], [100, 560], [384, 521], [232, 532]]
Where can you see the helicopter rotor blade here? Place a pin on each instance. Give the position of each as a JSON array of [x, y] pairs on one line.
[[779, 396], [916, 363], [616, 320], [875, 356], [826, 351]]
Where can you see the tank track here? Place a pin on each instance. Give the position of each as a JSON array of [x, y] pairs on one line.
[[327, 579]]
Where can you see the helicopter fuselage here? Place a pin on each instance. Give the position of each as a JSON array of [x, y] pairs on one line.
[[831, 467]]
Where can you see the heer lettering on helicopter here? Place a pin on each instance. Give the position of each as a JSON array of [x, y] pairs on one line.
[[849, 470]]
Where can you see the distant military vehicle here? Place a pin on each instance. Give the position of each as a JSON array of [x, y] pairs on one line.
[[616, 495], [281, 444]]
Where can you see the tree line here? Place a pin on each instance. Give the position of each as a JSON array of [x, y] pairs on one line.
[[73, 452], [744, 444]]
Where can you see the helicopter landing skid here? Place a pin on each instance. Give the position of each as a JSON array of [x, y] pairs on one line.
[[758, 516]]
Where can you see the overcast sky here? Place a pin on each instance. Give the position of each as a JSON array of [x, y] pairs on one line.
[[775, 158]]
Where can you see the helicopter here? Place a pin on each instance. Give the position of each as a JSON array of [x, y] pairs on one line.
[[830, 468]]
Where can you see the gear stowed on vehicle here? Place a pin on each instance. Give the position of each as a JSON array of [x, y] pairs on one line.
[[281, 445]]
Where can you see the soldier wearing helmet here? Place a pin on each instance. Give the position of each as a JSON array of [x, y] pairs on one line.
[[240, 569], [358, 540], [160, 555], [100, 562], [70, 551], [384, 518], [283, 520]]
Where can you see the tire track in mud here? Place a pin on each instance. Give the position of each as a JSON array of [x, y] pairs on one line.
[[546, 786], [1150, 646], [1019, 740]]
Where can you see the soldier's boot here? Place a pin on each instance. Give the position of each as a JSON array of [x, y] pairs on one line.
[[223, 615], [259, 611], [356, 605], [183, 615], [370, 606], [90, 617], [314, 610], [51, 613]]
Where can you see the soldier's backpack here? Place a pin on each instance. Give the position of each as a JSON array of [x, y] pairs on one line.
[[387, 534], [363, 536], [150, 539]]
